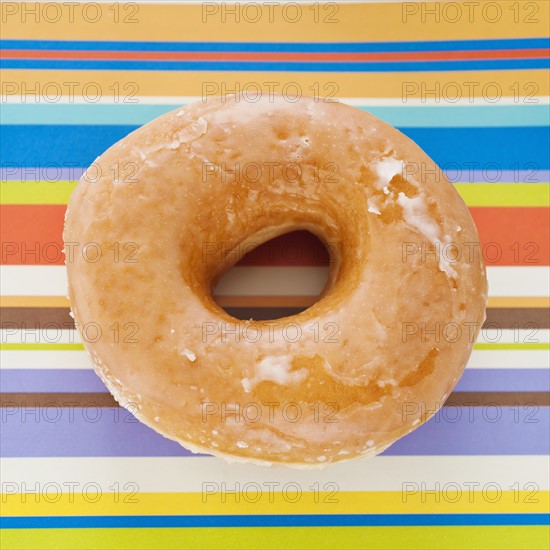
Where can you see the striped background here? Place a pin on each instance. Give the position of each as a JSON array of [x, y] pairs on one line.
[[79, 472]]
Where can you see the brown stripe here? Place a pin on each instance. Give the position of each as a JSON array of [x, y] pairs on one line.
[[269, 301], [507, 317], [263, 313], [40, 317], [510, 399], [456, 399], [36, 317], [30, 400]]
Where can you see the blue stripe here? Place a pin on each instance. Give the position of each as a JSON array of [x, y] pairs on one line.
[[28, 431], [301, 47], [285, 66], [512, 380], [294, 520], [405, 115], [51, 381], [85, 380], [470, 148]]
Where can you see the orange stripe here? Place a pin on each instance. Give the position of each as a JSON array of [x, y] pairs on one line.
[[509, 236], [274, 56], [34, 301]]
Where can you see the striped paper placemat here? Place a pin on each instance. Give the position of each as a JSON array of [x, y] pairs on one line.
[[468, 81]]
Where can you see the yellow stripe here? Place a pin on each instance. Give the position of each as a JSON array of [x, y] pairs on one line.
[[474, 194], [275, 502], [339, 23], [534, 537], [36, 192], [126, 85], [506, 194], [270, 301]]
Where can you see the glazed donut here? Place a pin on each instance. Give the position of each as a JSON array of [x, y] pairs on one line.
[[403, 312]]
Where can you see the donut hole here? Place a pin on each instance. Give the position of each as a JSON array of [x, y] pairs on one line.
[[278, 278]]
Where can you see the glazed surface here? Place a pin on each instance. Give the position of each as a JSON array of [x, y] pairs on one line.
[[403, 258]]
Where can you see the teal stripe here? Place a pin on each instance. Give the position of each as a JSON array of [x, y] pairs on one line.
[[402, 116], [81, 114], [463, 116]]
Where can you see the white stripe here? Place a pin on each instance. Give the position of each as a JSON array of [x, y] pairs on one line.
[[23, 359], [519, 281], [40, 280], [512, 336], [480, 359], [182, 474], [354, 101], [50, 335], [509, 359], [95, 332], [33, 280], [433, 102]]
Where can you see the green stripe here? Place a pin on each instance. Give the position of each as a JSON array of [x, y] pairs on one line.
[[41, 347], [319, 538], [512, 346], [401, 115], [474, 194]]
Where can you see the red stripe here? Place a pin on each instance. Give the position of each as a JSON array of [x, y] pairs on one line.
[[514, 235], [274, 56], [31, 235]]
